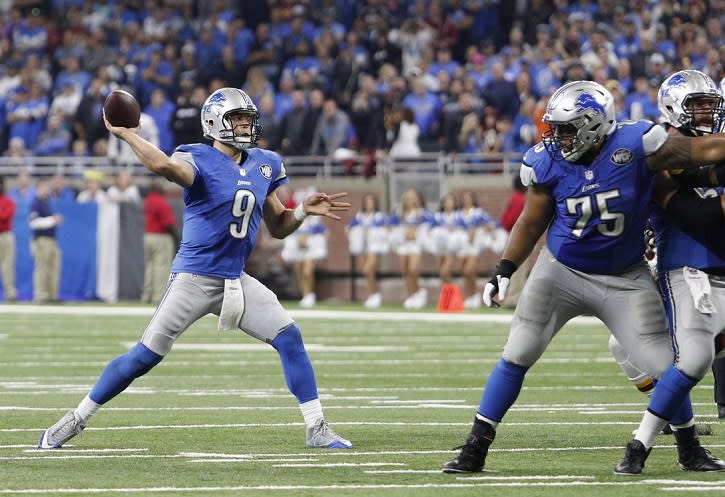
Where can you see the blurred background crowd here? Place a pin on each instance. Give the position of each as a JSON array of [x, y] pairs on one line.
[[472, 75], [333, 79]]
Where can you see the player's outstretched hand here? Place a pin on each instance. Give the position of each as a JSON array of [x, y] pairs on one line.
[[322, 204], [499, 283], [119, 130]]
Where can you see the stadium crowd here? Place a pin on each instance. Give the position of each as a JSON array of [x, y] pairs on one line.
[[337, 74]]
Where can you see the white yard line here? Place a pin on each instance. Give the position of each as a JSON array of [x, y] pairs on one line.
[[296, 488], [74, 310]]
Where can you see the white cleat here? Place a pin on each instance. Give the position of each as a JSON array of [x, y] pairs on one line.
[[373, 301], [66, 428], [322, 436]]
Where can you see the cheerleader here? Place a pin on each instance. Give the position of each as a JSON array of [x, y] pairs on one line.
[[477, 224], [304, 248], [447, 237], [368, 240], [410, 226]]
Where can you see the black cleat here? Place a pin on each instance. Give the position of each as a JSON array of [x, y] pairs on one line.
[[473, 453], [634, 457], [691, 456], [721, 411]]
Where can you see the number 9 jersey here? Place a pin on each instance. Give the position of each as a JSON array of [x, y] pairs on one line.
[[601, 208], [224, 208]]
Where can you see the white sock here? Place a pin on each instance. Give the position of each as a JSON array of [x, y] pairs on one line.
[[86, 408], [649, 428], [688, 424], [494, 424], [312, 412]]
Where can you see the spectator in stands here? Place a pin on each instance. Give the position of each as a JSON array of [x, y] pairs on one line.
[[332, 131], [501, 93], [66, 102], [88, 120], [186, 125], [55, 140], [7, 244], [427, 108], [124, 190], [72, 74], [228, 68], [410, 226], [294, 132], [368, 237], [159, 241], [18, 155], [511, 213], [272, 124], [413, 37], [59, 191], [161, 111], [264, 53], [405, 137], [23, 193], [44, 247], [121, 153], [93, 191], [155, 73]]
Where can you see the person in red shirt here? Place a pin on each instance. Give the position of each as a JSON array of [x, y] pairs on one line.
[[7, 243], [159, 242], [510, 214]]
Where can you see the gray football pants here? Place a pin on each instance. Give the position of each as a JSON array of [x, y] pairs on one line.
[[628, 304], [189, 297]]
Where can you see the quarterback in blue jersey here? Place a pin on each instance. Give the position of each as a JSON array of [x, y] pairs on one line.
[[590, 183], [688, 224], [229, 188]]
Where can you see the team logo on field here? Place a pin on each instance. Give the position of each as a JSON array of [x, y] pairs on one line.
[[266, 170], [589, 175], [622, 156]]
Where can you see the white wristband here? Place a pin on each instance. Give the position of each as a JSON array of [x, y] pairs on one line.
[[299, 212]]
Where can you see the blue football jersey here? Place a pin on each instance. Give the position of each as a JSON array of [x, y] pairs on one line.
[[701, 247], [224, 208], [601, 208]]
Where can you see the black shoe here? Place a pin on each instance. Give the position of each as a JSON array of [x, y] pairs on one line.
[[634, 457], [691, 456], [473, 453], [721, 411]]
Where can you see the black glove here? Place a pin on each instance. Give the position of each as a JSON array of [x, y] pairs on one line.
[[498, 284]]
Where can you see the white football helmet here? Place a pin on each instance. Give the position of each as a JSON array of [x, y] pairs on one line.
[[579, 114], [691, 100], [215, 117]]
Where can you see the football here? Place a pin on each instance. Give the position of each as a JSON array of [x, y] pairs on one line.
[[122, 109]]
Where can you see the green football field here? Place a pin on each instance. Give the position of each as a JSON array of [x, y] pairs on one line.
[[215, 418]]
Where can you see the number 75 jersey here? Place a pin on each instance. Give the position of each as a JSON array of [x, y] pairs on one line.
[[223, 208], [600, 208]]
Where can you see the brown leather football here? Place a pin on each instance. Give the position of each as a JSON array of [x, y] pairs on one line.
[[122, 109]]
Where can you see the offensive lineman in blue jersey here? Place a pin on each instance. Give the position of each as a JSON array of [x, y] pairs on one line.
[[688, 225], [589, 182], [229, 188]]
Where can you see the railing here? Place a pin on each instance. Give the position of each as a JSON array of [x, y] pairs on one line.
[[431, 163]]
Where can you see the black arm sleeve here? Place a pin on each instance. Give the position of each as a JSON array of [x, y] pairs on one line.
[[688, 208]]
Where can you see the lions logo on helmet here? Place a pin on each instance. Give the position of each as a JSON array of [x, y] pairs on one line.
[[579, 114], [215, 120], [690, 100]]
